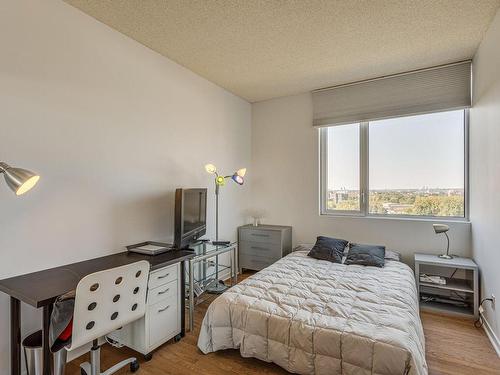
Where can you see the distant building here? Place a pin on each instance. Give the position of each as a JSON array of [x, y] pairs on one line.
[[338, 196], [341, 196], [396, 208]]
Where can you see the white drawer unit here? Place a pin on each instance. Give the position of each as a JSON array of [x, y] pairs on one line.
[[162, 292], [260, 246], [163, 276], [163, 319]]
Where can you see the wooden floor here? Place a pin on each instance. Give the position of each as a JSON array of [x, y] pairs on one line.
[[454, 347]]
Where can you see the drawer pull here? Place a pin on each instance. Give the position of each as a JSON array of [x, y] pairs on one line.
[[163, 276], [260, 235], [259, 248], [162, 310], [163, 291]]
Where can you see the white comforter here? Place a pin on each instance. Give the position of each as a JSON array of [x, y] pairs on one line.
[[316, 317]]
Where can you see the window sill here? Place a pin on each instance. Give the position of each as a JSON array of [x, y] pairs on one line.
[[426, 219]]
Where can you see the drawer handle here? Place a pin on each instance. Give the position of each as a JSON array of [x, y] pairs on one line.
[[259, 248], [162, 310], [260, 235], [163, 276], [163, 291]]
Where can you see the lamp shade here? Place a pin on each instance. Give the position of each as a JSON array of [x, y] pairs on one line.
[[237, 178], [210, 168], [440, 228], [19, 180]]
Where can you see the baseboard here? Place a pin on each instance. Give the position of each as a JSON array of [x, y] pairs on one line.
[[491, 335]]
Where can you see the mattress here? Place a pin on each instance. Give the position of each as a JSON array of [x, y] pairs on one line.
[[316, 317]]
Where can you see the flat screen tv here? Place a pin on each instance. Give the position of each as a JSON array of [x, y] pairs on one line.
[[190, 216]]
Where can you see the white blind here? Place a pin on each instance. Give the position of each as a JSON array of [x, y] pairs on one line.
[[430, 90]]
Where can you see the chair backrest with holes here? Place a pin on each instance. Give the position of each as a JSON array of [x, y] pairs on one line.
[[108, 300]]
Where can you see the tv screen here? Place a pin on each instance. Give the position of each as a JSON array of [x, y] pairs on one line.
[[190, 215]]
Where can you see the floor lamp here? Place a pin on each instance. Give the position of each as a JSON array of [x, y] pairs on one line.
[[220, 180], [19, 180]]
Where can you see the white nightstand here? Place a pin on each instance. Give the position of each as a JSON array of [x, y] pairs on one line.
[[459, 296]]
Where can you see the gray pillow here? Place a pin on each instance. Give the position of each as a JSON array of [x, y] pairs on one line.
[[366, 255], [327, 248], [392, 255]]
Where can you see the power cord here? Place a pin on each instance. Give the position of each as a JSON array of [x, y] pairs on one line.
[[479, 322]]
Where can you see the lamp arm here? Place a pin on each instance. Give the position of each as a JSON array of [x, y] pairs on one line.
[[3, 167], [448, 243]]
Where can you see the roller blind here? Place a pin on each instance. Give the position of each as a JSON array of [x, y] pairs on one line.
[[430, 90]]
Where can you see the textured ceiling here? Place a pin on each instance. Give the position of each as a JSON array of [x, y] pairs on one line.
[[260, 49]]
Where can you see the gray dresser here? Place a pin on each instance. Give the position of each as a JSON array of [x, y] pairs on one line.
[[260, 246]]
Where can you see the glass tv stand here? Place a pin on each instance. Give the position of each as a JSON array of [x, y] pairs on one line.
[[205, 270]]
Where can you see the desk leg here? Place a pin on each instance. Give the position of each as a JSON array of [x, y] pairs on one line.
[[191, 296], [183, 299], [47, 360], [15, 336]]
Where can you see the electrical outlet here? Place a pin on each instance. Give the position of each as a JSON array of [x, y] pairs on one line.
[[493, 302]]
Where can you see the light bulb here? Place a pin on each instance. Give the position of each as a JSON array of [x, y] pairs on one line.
[[25, 187], [241, 172]]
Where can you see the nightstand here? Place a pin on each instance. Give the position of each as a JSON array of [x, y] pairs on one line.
[[458, 294], [262, 245]]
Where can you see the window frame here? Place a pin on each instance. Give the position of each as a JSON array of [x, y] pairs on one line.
[[365, 183]]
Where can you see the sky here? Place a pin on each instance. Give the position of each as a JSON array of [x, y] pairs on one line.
[[404, 153]]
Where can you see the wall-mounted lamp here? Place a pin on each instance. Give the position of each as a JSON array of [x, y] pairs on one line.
[[19, 180]]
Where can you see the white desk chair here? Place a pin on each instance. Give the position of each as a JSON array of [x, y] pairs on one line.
[[104, 302]]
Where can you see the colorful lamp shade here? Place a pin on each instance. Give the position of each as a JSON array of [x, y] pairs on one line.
[[221, 180], [19, 180], [238, 179]]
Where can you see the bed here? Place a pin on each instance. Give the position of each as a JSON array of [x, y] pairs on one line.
[[316, 317]]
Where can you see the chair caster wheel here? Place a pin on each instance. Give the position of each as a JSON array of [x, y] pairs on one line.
[[148, 357], [134, 366], [177, 338]]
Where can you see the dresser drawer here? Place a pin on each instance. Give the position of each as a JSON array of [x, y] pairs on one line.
[[256, 262], [163, 276], [163, 320], [260, 235], [162, 292], [260, 248]]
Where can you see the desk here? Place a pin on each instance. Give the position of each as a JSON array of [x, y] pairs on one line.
[[40, 290]]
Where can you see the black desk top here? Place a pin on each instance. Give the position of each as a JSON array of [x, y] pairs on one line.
[[41, 288]]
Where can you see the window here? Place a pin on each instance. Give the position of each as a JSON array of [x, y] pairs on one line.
[[411, 166]]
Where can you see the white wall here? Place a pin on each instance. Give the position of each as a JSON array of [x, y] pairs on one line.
[[286, 183], [485, 168], [113, 128]]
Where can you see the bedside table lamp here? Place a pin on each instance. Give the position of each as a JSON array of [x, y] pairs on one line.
[[442, 228], [19, 180], [220, 180]]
